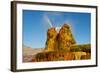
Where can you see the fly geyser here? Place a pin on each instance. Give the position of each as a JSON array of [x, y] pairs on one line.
[[61, 45], [61, 40]]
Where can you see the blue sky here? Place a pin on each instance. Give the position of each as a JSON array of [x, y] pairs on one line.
[[36, 24]]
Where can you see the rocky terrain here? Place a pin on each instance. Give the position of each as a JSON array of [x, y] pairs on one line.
[[60, 45], [29, 53]]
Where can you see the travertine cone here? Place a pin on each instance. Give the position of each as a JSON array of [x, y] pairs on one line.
[[58, 41], [51, 43], [65, 38]]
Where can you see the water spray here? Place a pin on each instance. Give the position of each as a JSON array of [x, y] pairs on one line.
[[48, 20]]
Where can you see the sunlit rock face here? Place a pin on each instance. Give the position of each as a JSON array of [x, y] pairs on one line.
[[51, 43], [65, 38], [59, 38]]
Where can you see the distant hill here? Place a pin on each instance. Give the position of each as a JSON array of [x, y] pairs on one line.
[[31, 51]]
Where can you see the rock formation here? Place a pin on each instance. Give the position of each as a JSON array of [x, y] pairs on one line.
[[65, 38], [51, 43], [60, 46], [61, 40]]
